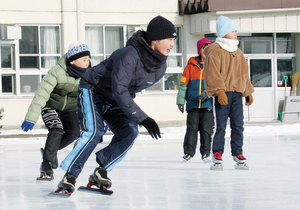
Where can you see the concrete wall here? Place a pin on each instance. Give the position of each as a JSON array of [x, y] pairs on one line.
[[73, 15], [162, 108], [227, 5]]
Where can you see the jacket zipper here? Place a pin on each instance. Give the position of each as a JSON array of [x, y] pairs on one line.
[[200, 84]]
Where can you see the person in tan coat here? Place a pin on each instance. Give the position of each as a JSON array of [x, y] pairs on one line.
[[227, 81]]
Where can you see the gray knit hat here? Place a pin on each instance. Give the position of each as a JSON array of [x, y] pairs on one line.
[[160, 28]]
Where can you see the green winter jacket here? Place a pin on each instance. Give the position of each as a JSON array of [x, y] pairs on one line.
[[58, 91]]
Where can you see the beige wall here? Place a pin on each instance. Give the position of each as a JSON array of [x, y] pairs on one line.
[[227, 5], [162, 108], [73, 15]]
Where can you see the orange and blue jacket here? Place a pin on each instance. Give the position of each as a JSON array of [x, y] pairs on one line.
[[191, 86]]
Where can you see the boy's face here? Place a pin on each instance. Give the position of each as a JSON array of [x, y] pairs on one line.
[[231, 35], [82, 62], [202, 51], [163, 46]]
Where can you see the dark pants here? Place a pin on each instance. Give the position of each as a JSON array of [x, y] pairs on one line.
[[63, 129], [201, 120], [92, 111], [233, 110]]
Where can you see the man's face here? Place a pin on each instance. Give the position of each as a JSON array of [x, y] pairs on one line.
[[163, 46]]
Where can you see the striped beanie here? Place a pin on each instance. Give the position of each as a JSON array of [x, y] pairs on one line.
[[77, 50]]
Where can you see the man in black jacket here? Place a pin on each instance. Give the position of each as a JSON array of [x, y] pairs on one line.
[[106, 94]]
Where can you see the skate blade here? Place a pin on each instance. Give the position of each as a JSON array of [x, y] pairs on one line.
[[101, 190], [241, 167], [206, 161], [60, 192], [216, 167], [44, 179]]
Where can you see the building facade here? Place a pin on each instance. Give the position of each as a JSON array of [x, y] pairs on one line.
[[34, 34]]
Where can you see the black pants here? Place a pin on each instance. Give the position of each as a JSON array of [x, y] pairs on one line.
[[63, 129], [201, 120]]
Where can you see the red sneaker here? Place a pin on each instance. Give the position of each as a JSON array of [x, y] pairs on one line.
[[239, 159], [217, 157]]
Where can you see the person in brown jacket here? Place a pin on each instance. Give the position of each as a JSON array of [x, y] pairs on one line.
[[227, 80]]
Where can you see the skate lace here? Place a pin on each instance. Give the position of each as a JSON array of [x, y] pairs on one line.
[[218, 155]]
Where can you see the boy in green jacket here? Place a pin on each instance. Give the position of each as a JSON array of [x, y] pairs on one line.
[[56, 101]]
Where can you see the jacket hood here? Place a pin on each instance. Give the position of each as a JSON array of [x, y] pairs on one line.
[[62, 62], [194, 61], [151, 59]]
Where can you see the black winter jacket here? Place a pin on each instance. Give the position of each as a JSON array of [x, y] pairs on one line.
[[127, 71]]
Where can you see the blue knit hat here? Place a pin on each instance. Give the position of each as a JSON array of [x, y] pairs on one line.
[[225, 26], [77, 50]]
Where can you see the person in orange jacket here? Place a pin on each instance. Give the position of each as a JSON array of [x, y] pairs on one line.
[[199, 109]]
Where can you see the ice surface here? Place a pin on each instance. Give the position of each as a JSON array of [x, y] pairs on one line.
[[153, 175]]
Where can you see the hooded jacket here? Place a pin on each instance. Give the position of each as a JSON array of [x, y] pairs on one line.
[[58, 90], [226, 71], [191, 86], [127, 71]]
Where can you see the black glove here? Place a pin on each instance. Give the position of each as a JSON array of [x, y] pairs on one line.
[[151, 127], [203, 96], [181, 107]]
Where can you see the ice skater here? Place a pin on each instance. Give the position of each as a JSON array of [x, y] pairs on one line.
[[198, 106], [55, 99], [106, 94], [227, 80]]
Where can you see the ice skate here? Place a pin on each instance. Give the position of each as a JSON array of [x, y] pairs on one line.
[[93, 186], [240, 162], [205, 158], [186, 157], [217, 162], [100, 177], [66, 186], [46, 172]]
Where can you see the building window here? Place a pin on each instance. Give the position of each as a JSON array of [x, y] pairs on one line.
[[25, 61], [285, 69], [39, 50], [39, 47], [285, 43], [103, 41], [8, 84], [261, 72]]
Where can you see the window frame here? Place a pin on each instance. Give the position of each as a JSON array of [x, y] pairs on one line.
[[17, 72]]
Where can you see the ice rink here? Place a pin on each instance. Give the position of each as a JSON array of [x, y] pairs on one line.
[[153, 175]]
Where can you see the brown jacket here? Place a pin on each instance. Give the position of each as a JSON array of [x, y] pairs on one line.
[[226, 71]]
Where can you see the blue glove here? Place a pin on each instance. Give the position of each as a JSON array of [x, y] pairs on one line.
[[27, 126]]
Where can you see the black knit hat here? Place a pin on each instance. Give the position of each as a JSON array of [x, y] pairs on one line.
[[160, 28]]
